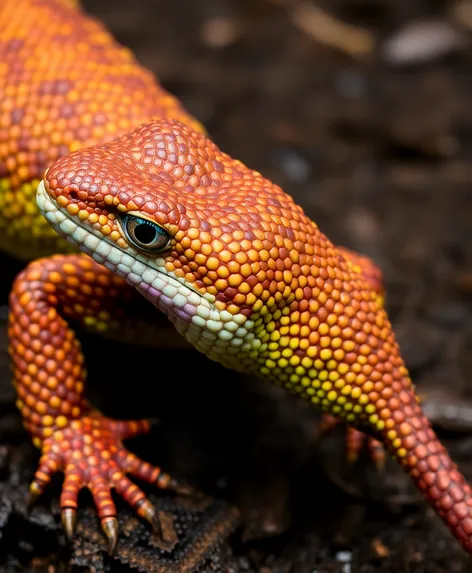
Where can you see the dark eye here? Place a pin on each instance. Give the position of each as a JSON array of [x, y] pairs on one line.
[[144, 234]]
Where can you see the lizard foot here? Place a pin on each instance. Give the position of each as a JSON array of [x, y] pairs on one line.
[[89, 451], [355, 441]]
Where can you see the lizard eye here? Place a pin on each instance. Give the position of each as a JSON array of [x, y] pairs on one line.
[[144, 234]]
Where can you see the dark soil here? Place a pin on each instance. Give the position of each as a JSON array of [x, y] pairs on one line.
[[378, 153]]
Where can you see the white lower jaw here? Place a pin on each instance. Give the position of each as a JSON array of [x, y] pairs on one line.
[[219, 334]]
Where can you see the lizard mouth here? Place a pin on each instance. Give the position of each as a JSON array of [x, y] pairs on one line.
[[192, 313]]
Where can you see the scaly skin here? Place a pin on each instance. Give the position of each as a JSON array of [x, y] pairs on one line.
[[251, 282], [65, 84]]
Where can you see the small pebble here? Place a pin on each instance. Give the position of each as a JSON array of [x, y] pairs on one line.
[[422, 41], [343, 556]]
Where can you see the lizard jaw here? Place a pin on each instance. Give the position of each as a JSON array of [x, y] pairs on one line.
[[195, 317]]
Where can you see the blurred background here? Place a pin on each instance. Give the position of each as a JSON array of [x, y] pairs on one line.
[[361, 110]]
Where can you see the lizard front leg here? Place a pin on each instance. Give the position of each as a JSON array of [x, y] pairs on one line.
[[49, 376]]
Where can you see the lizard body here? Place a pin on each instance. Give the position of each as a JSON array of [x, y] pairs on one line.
[[238, 268]]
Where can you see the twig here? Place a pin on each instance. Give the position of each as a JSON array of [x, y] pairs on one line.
[[328, 30]]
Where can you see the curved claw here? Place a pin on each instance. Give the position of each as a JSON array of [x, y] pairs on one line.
[[156, 523], [110, 528], [68, 518], [33, 494], [49, 464], [148, 512]]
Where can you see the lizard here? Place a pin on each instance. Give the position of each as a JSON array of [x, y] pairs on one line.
[[69, 85], [250, 281]]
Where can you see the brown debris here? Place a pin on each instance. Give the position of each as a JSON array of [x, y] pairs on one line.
[[328, 30], [190, 538], [167, 538], [379, 548]]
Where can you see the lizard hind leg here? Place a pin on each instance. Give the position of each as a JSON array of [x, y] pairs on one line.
[[355, 441], [49, 376]]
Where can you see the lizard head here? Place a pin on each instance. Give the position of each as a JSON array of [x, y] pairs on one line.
[[209, 241]]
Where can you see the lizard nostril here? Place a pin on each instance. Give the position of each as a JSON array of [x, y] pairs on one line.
[[73, 195]]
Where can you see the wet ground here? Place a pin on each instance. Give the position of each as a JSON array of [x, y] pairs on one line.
[[370, 129]]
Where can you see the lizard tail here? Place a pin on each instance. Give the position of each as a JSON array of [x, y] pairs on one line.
[[409, 436]]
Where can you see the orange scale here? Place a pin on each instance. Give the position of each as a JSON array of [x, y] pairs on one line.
[[246, 270], [385, 414], [239, 299], [378, 386], [303, 305], [244, 288], [234, 280], [201, 270]]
